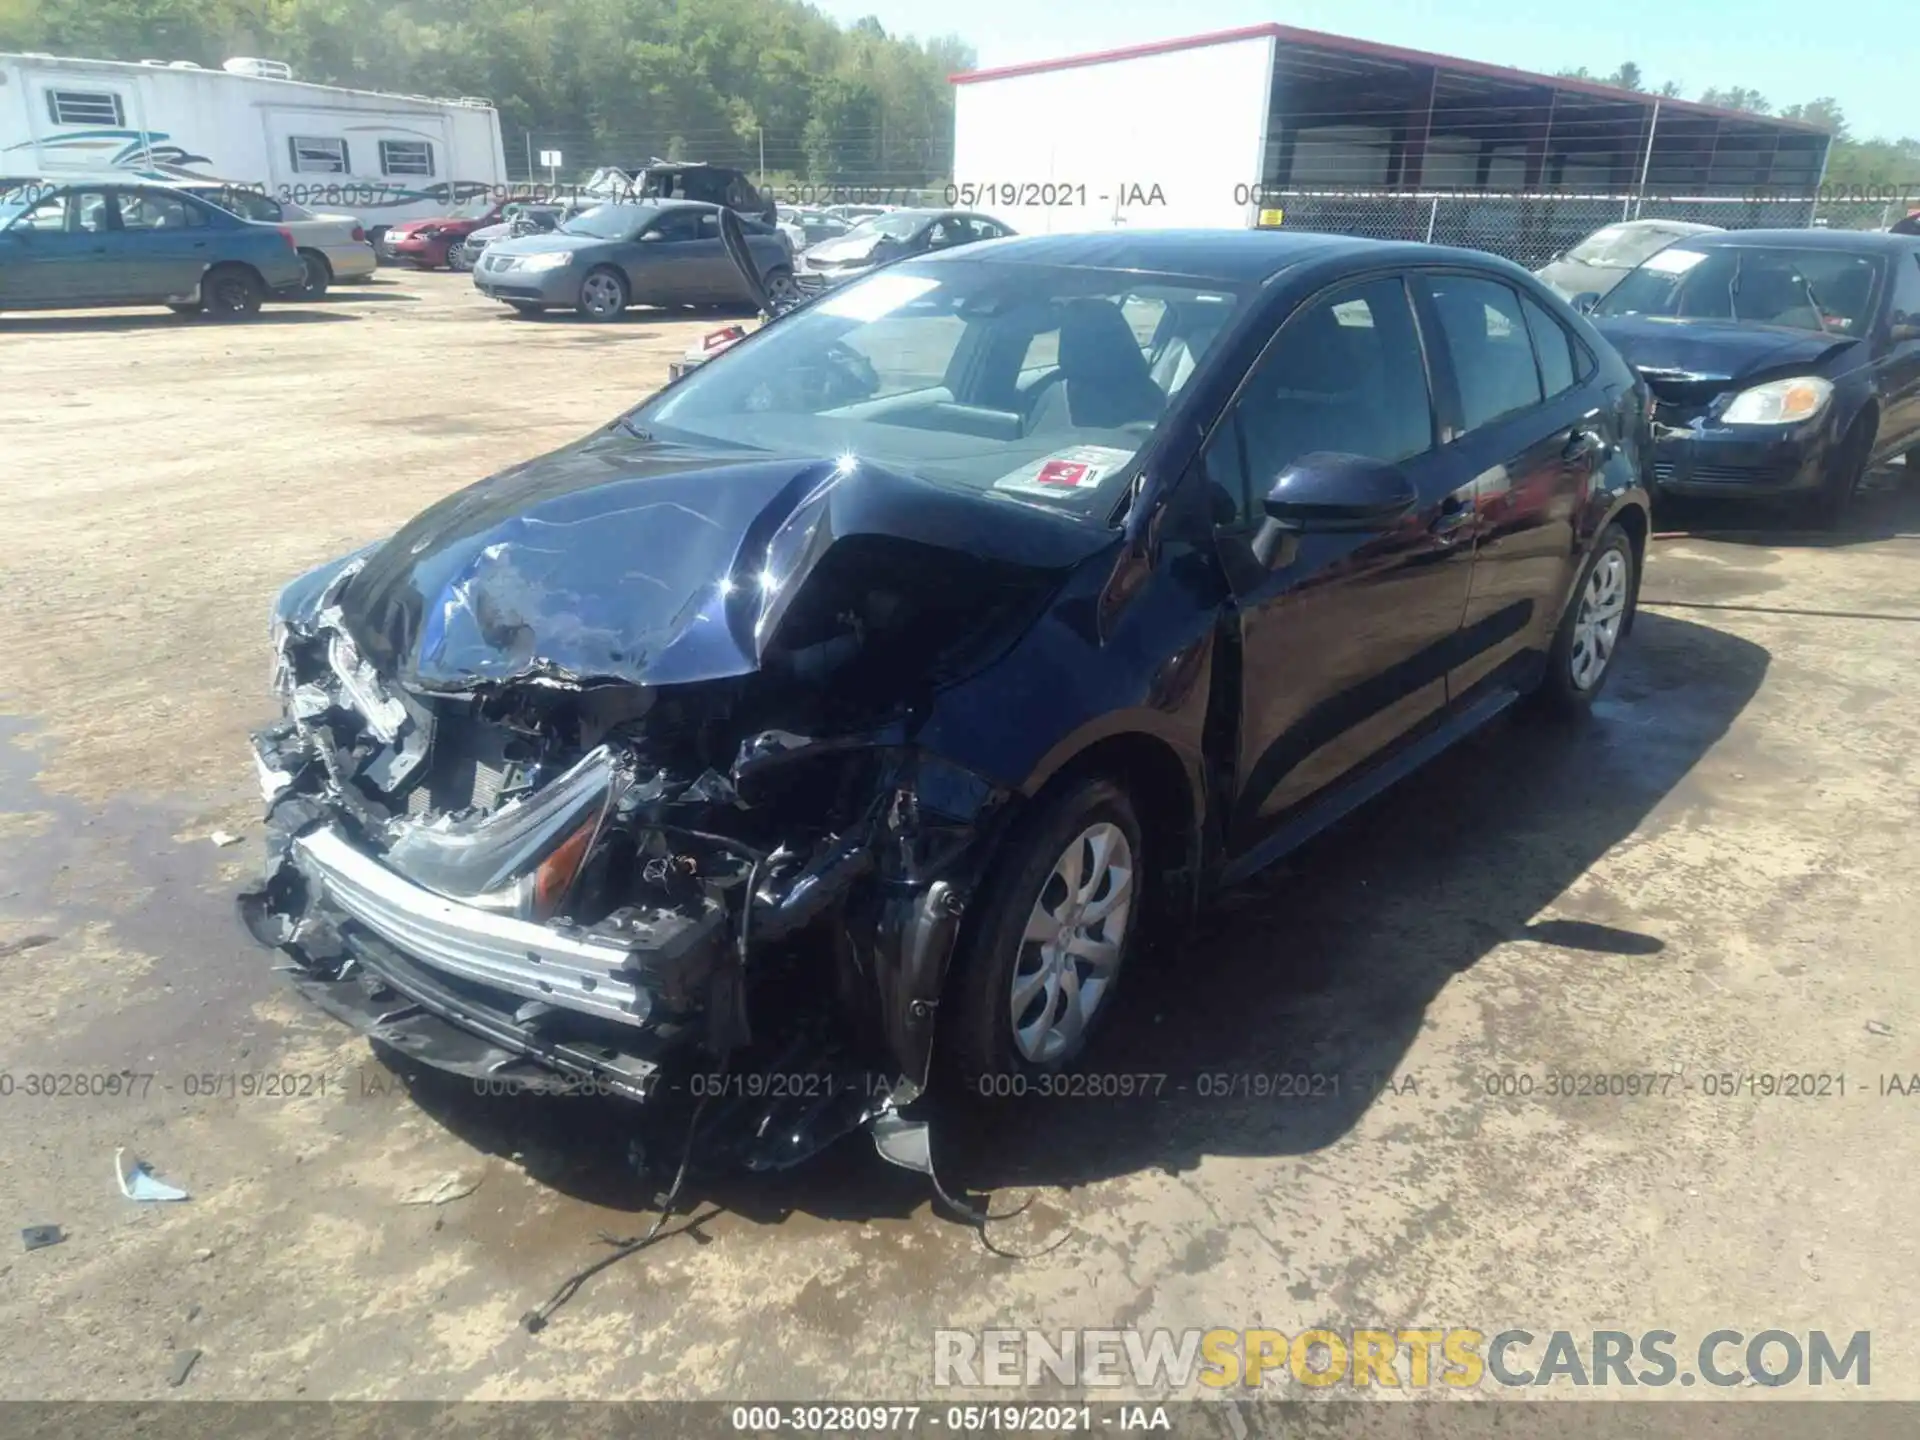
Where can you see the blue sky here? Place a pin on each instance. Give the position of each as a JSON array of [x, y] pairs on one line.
[[1860, 52]]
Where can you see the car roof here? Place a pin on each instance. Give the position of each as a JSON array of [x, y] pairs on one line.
[[1230, 256], [1860, 242]]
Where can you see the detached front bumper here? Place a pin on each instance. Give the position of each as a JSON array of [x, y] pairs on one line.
[[1741, 462]]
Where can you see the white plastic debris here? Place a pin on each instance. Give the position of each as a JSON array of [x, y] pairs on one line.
[[450, 1186], [224, 838], [140, 1183]]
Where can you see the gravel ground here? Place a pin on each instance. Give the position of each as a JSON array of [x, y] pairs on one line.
[[1715, 877]]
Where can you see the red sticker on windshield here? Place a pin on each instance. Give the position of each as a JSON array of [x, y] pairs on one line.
[[1062, 472]]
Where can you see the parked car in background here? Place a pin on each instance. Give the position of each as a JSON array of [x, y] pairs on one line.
[[894, 236], [656, 253], [688, 180], [1598, 262], [806, 227], [520, 218], [425, 243], [76, 246], [332, 247], [1784, 364], [859, 703]]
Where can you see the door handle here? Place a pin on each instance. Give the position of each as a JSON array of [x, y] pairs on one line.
[[1456, 514]]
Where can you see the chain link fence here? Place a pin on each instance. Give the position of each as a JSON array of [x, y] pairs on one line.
[[1531, 229]]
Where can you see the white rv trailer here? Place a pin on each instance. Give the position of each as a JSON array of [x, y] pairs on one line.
[[383, 157]]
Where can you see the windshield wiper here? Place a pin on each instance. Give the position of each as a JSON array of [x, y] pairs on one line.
[[1733, 287]]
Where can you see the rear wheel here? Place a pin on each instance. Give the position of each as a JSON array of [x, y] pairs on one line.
[[781, 288], [603, 294], [1048, 940], [319, 275], [1583, 650], [231, 292]]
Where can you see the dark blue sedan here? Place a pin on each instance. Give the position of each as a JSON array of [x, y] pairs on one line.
[[1784, 364], [889, 676], [81, 245]]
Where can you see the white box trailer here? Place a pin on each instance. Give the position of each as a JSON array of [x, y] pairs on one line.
[[384, 158], [1274, 125]]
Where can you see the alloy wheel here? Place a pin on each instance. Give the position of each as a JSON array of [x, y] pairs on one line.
[[600, 296], [1596, 626], [1071, 948]]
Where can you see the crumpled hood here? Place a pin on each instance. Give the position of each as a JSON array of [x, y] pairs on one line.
[[621, 559], [1716, 349]]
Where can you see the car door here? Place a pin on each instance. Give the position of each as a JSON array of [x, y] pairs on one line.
[[666, 262], [163, 246], [1531, 432], [1345, 638], [43, 259], [1897, 354]]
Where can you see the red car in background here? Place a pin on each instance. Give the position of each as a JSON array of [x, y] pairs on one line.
[[425, 242]]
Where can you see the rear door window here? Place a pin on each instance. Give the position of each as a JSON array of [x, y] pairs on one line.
[[1554, 347], [1485, 333]]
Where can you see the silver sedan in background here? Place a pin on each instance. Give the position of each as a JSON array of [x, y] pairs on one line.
[[660, 253]]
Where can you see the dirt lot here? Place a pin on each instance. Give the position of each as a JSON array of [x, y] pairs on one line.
[[1716, 877]]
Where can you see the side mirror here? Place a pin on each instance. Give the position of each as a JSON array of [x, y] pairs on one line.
[[1586, 300], [1336, 493]]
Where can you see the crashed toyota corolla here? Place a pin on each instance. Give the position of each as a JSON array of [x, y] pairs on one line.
[[886, 680]]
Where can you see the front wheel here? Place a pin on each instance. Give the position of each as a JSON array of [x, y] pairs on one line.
[[231, 292], [457, 259], [1051, 933], [603, 295], [1590, 632], [1848, 467]]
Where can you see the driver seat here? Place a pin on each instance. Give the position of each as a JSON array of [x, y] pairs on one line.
[[1103, 381]]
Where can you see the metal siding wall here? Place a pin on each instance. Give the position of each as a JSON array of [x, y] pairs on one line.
[[1189, 121]]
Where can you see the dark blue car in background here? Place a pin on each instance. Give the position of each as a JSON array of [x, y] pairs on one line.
[[79, 245], [1784, 364]]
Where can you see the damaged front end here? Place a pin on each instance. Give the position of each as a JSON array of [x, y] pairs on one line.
[[557, 877]]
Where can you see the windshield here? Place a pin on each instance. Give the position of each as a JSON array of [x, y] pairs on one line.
[[1033, 383], [9, 213], [609, 222], [1826, 291], [900, 226], [1621, 247], [477, 208]]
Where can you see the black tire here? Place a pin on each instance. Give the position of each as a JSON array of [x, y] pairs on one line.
[[780, 285], [377, 237], [603, 281], [231, 292], [319, 275], [976, 1040], [1566, 691], [1847, 468], [457, 258], [527, 307]]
